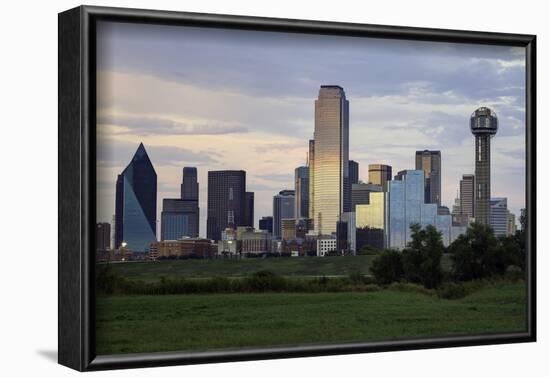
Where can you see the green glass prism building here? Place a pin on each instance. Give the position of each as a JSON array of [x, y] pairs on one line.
[[136, 204]]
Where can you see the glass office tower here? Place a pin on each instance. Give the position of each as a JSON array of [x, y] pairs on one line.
[[226, 201], [179, 219], [467, 203], [136, 203], [430, 163], [353, 172], [283, 208], [331, 186], [405, 206], [301, 189], [372, 215]]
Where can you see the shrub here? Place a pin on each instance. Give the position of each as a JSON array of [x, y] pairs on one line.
[[262, 281], [387, 267], [411, 288], [356, 277], [451, 291]]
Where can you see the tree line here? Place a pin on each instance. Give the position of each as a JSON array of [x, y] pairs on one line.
[[476, 254]]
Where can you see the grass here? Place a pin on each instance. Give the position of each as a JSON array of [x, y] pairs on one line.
[[130, 324], [202, 268]]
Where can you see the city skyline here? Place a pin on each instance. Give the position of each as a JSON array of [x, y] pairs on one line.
[[274, 152]]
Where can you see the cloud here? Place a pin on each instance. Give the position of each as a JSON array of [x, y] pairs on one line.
[[235, 99], [144, 125], [116, 153]]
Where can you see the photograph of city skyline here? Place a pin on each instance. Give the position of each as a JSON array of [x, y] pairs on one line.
[[274, 189]]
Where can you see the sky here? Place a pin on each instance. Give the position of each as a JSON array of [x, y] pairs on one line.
[[244, 100]]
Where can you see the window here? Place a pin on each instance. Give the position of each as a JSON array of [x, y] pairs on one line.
[[231, 193]]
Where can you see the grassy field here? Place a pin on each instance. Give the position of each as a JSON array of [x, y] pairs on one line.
[[127, 324], [200, 268]]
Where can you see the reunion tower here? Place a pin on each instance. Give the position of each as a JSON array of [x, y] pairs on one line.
[[484, 125]]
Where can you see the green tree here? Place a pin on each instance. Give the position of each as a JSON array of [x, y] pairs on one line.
[[387, 267], [478, 253], [422, 257]]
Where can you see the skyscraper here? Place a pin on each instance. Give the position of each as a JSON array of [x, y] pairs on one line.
[[405, 206], [189, 184], [301, 189], [103, 236], [467, 184], [136, 203], [380, 175], [248, 209], [342, 244], [283, 208], [349, 218], [430, 163], [331, 187], [179, 218], [226, 201], [353, 172], [190, 193], [498, 218], [484, 125], [311, 166]]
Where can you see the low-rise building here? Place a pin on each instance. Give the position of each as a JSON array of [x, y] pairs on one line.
[[325, 245], [255, 242], [184, 248]]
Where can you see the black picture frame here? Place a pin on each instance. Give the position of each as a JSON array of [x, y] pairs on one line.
[[77, 183]]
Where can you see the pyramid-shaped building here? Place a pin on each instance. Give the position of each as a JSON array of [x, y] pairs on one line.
[[136, 203]]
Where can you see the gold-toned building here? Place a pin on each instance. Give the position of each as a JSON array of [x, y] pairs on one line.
[[380, 175], [511, 224], [372, 215], [288, 229], [331, 188]]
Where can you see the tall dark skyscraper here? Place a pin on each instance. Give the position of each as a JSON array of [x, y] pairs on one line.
[[353, 172], [311, 167], [249, 209], [380, 174], [467, 202], [301, 188], [179, 218], [136, 203], [190, 184], [103, 236], [430, 163], [189, 203], [484, 125], [331, 186], [283, 208], [226, 201]]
